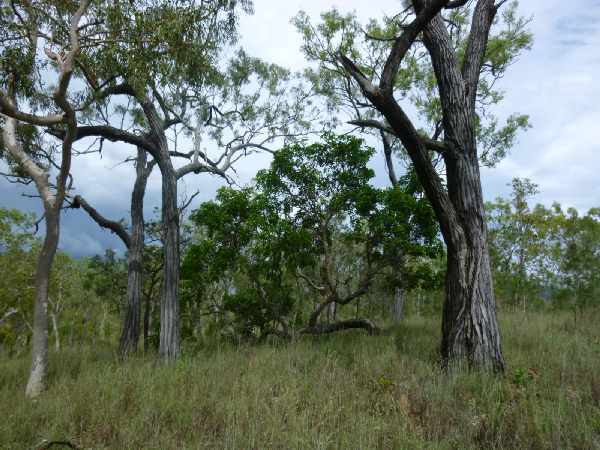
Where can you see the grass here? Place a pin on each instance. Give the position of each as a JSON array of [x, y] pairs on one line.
[[348, 391]]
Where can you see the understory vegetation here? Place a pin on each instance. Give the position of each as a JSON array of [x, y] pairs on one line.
[[348, 390], [313, 302]]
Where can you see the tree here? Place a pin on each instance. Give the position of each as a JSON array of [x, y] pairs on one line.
[[134, 242], [249, 255], [516, 235], [324, 189], [314, 216], [17, 264], [23, 26], [450, 92], [175, 82]]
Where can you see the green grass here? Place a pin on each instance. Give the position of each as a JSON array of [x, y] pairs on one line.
[[348, 391]]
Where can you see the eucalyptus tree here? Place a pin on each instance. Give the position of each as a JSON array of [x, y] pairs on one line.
[[35, 91], [517, 238], [250, 106], [159, 65], [441, 58], [134, 243]]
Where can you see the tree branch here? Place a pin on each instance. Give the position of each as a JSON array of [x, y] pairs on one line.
[[482, 20], [404, 42], [116, 227], [387, 151], [110, 133], [322, 328], [8, 109], [430, 144]]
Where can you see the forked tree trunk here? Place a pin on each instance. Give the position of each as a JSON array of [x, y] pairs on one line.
[[470, 329], [39, 353], [130, 333]]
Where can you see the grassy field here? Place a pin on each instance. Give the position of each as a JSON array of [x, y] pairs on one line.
[[349, 391]]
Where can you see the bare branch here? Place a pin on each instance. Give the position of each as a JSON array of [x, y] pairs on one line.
[[404, 42], [8, 109], [483, 17], [116, 227]]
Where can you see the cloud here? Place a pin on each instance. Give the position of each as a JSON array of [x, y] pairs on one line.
[[555, 83]]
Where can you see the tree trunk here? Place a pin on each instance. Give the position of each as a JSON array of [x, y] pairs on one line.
[[131, 323], [146, 322], [169, 345], [39, 353], [55, 331], [469, 327], [398, 306]]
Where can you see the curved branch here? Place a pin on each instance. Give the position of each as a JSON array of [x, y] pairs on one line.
[[404, 42], [111, 225], [7, 108], [110, 133], [387, 151], [430, 144]]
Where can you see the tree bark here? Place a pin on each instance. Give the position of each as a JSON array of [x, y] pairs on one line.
[[169, 345], [170, 323], [39, 352], [130, 333], [469, 326], [398, 305]]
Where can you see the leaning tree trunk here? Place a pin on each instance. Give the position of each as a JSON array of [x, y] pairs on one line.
[[169, 345], [39, 354], [130, 334], [470, 329]]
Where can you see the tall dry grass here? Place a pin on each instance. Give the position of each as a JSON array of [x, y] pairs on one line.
[[348, 391]]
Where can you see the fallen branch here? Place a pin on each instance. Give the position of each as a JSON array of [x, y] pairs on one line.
[[45, 445], [326, 328]]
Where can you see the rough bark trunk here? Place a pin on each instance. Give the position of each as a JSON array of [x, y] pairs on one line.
[[130, 334], [169, 345], [469, 327], [39, 353], [398, 306], [169, 339]]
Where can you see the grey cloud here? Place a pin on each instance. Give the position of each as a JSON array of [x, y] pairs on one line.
[[556, 83]]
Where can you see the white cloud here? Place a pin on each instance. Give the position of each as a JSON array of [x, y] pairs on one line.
[[555, 83]]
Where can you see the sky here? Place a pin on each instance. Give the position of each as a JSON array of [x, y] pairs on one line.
[[555, 83]]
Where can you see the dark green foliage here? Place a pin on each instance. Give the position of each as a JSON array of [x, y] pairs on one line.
[[312, 211], [242, 236]]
